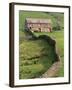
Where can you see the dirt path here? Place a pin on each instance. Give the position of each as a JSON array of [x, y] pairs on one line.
[[53, 70]]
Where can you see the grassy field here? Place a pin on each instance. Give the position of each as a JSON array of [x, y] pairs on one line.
[[36, 56], [32, 60], [59, 37]]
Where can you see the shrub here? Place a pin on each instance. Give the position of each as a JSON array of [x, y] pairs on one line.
[[26, 62], [56, 28]]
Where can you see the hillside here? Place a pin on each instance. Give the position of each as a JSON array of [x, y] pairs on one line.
[[56, 18], [37, 56]]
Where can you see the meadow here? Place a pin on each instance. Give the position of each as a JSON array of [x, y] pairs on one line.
[[58, 36], [36, 56]]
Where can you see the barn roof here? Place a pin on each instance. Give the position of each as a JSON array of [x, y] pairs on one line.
[[38, 20]]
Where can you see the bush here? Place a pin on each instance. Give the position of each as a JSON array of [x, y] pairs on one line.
[[36, 61], [26, 62], [56, 28]]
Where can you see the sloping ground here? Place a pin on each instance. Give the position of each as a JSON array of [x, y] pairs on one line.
[[59, 38], [29, 71], [53, 70], [36, 56]]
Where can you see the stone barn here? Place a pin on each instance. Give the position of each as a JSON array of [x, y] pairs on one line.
[[38, 25]]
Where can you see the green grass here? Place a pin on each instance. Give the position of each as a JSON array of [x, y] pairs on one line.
[[29, 66], [59, 37], [37, 66]]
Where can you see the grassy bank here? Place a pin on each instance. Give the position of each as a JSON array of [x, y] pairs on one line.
[[36, 56], [59, 37]]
